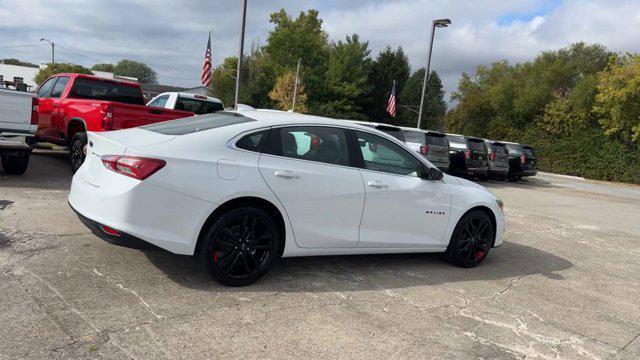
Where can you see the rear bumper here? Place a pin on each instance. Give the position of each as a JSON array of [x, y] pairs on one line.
[[498, 171], [475, 170], [530, 172], [162, 217]]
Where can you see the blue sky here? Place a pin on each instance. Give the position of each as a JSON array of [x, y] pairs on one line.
[[170, 35]]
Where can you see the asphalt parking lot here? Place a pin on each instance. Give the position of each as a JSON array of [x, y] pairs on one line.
[[564, 285]]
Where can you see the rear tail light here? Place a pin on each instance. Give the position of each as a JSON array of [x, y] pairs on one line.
[[107, 117], [492, 156], [467, 154], [34, 111], [424, 149], [523, 159], [133, 166], [110, 231]]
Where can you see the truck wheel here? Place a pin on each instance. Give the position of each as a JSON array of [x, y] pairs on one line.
[[76, 150], [16, 164]]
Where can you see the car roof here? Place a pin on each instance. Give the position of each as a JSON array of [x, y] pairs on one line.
[[275, 118]]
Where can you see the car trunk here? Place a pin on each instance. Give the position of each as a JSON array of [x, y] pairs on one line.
[[531, 161], [501, 157], [477, 153], [438, 148]]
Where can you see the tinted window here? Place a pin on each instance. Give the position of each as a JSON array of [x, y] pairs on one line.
[[159, 101], [528, 150], [515, 149], [45, 89], [477, 145], [194, 124], [59, 87], [437, 140], [252, 142], [313, 143], [197, 106], [414, 136], [456, 139], [499, 148], [380, 154], [106, 90]]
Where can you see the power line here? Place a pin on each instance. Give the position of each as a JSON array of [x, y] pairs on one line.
[[20, 46], [77, 53]]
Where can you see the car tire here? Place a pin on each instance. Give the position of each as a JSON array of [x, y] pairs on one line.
[[240, 246], [471, 240], [76, 150], [16, 164]]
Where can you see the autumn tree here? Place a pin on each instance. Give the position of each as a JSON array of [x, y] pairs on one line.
[[282, 93]]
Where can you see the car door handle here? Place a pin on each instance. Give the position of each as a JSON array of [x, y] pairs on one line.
[[378, 184], [54, 105], [155, 111], [287, 174]]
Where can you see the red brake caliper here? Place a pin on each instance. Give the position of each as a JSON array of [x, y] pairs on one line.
[[479, 255], [215, 256]]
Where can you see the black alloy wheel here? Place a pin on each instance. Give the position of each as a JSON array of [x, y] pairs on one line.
[[471, 241], [76, 150], [240, 246]]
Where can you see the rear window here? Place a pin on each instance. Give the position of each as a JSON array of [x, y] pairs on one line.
[[395, 133], [437, 140], [199, 107], [106, 90], [456, 139], [499, 148], [195, 124], [476, 145], [528, 150], [414, 136]]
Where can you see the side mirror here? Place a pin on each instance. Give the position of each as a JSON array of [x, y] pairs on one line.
[[431, 173]]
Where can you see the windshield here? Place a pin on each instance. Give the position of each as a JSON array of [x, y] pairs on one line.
[[194, 124], [106, 90]]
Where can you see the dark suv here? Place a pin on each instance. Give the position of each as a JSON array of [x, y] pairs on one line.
[[433, 145], [468, 156], [522, 161], [498, 159]]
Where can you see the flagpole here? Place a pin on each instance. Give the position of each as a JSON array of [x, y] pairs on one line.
[[295, 86], [211, 70], [241, 50]]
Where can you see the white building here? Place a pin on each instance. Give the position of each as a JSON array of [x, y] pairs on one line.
[[10, 75]]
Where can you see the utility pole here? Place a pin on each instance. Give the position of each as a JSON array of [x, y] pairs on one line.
[[295, 87], [434, 25], [53, 51], [244, 18]]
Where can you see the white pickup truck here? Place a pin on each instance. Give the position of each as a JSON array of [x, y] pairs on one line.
[[198, 104], [18, 121]]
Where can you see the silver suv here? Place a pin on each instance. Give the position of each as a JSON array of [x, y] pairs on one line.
[[433, 145]]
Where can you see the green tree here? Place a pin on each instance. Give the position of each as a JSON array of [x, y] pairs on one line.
[[300, 38], [136, 69], [618, 98], [223, 80], [104, 67], [346, 79], [58, 68], [434, 105], [388, 66], [14, 61]]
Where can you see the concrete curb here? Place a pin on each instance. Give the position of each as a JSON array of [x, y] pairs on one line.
[[562, 176]]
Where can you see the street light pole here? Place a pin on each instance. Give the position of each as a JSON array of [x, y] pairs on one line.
[[295, 86], [434, 25], [53, 51], [244, 17]]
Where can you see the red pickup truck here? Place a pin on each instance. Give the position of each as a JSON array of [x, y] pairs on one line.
[[72, 104]]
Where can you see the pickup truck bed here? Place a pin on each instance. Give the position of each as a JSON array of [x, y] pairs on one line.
[[18, 119], [72, 104]]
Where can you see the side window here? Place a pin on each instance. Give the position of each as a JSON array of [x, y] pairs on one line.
[[313, 143], [159, 101], [59, 87], [252, 142], [380, 154], [45, 89]]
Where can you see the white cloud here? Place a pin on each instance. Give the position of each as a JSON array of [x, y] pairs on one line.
[[171, 35]]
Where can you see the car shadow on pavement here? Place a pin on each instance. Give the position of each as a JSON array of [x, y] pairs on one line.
[[47, 170], [524, 183], [368, 272]]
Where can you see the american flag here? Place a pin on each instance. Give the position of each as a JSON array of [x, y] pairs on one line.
[[391, 106], [206, 67]]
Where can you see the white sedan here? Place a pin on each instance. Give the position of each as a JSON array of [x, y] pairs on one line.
[[241, 189]]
